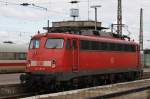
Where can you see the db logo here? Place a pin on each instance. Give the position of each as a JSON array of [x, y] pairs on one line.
[[112, 60]]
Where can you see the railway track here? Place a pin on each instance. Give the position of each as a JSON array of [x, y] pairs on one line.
[[12, 91], [122, 93], [100, 92], [17, 90], [146, 75]]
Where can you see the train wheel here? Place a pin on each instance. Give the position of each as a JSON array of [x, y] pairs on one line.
[[67, 85], [62, 86], [59, 87], [96, 82], [75, 83]]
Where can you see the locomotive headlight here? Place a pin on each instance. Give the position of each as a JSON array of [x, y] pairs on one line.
[[53, 63]]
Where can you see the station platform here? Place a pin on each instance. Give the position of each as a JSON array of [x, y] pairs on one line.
[[9, 78]]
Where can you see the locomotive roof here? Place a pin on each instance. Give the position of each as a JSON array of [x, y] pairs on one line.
[[84, 37], [73, 26], [8, 47]]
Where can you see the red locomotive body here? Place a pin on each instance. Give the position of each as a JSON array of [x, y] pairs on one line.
[[59, 57], [69, 56]]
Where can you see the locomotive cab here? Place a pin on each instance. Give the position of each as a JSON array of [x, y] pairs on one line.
[[51, 55], [44, 53]]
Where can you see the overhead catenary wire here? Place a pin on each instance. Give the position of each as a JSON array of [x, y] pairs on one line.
[[25, 4], [31, 4], [8, 3]]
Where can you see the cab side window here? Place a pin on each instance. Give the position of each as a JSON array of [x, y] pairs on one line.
[[74, 44], [34, 43], [68, 44], [37, 44]]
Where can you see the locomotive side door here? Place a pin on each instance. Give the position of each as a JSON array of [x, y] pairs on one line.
[[75, 55]]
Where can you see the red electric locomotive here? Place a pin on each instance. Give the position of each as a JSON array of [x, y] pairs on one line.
[[69, 55]]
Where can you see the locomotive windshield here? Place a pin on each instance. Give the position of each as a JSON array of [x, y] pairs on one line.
[[34, 43], [54, 43]]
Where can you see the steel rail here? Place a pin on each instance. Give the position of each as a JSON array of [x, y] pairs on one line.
[[121, 93], [99, 92], [15, 91]]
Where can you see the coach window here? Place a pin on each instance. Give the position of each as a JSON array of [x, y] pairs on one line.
[[20, 56], [84, 45], [119, 47], [111, 46], [7, 56], [114, 47], [104, 46], [95, 45]]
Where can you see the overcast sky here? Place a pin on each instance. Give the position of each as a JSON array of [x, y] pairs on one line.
[[20, 23]]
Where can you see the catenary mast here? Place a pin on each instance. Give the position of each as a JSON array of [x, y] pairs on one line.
[[119, 18], [141, 30]]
